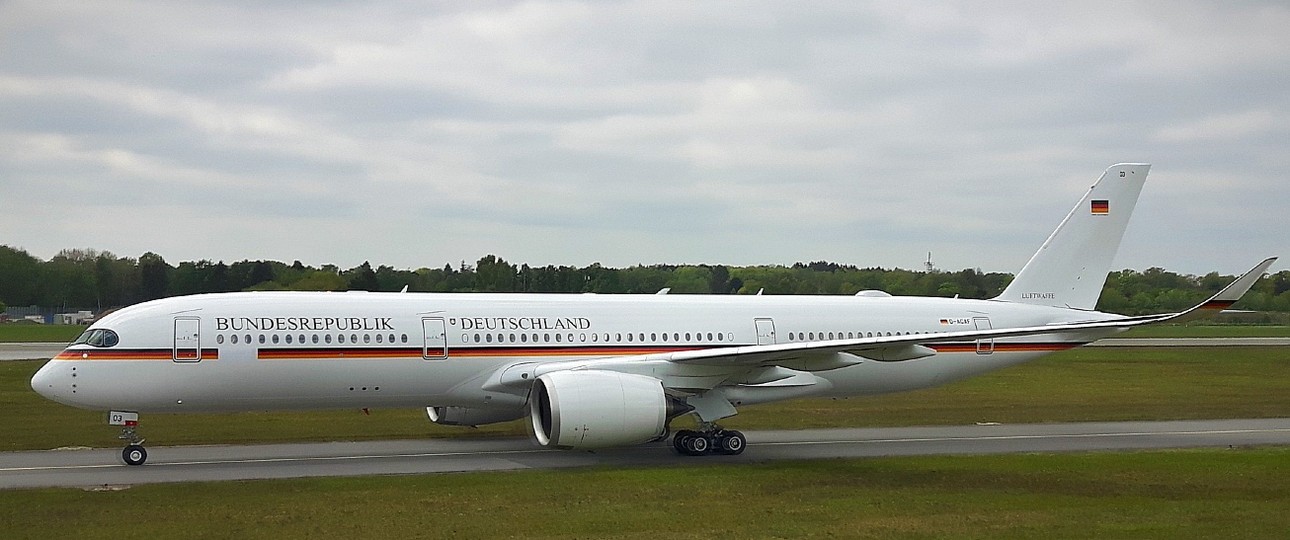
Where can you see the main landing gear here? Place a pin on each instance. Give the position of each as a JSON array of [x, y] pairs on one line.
[[134, 453], [709, 439]]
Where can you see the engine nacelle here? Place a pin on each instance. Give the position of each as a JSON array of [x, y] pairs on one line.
[[463, 416], [595, 409]]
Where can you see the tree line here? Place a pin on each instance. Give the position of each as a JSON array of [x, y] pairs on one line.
[[90, 279]]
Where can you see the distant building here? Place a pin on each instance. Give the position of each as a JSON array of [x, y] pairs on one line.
[[79, 317]]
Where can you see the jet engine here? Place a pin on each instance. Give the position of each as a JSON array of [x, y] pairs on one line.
[[595, 409], [463, 416]]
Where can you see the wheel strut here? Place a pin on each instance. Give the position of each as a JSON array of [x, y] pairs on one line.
[[134, 453]]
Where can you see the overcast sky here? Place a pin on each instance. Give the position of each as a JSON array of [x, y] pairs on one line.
[[417, 133]]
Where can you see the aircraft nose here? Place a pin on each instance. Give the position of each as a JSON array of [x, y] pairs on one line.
[[45, 381]]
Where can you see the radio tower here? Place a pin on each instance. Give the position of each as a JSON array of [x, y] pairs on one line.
[[930, 268]]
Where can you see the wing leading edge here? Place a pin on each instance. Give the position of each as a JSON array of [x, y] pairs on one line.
[[707, 368]]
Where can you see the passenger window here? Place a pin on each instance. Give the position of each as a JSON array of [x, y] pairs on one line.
[[340, 338], [261, 339], [379, 338], [275, 339], [234, 339], [557, 338], [367, 338], [315, 339], [219, 339], [488, 338], [327, 339]]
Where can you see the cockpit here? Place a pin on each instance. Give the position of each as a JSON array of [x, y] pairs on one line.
[[97, 337]]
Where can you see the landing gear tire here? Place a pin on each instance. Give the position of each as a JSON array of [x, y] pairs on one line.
[[134, 454], [715, 441], [691, 443], [681, 439], [698, 445], [731, 443]]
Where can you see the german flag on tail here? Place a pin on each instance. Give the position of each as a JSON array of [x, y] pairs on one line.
[[1101, 207]]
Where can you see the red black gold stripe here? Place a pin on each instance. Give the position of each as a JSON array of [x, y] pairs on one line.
[[1101, 206], [1217, 305], [129, 354], [455, 352]]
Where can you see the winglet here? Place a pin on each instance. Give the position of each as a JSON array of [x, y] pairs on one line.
[[1228, 296]]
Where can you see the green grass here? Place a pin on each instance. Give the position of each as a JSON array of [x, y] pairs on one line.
[[25, 333], [1198, 331], [1175, 494], [1090, 384]]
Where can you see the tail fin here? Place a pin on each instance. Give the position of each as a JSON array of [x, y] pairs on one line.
[[1070, 268]]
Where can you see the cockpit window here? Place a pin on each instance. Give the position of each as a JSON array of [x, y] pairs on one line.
[[98, 337]]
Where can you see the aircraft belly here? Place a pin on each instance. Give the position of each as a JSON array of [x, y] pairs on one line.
[[220, 385], [887, 377]]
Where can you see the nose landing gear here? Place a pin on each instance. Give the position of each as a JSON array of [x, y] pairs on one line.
[[134, 453]]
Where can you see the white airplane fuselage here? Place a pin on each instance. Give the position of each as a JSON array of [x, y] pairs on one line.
[[595, 371], [300, 350]]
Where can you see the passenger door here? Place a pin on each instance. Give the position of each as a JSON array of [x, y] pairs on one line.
[[188, 343], [435, 340]]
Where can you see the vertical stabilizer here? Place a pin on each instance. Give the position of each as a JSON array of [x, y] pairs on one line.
[[1070, 268]]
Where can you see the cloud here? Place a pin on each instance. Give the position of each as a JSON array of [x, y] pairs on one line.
[[566, 132]]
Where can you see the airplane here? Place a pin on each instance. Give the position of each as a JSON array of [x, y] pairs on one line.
[[591, 370]]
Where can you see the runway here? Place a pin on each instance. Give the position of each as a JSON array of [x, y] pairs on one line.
[[30, 351], [102, 467]]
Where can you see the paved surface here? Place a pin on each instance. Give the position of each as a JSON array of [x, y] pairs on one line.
[[1193, 342], [102, 467], [28, 351]]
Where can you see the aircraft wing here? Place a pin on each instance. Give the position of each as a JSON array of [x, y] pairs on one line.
[[707, 368]]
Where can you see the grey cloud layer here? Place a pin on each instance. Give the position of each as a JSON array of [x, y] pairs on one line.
[[639, 132]]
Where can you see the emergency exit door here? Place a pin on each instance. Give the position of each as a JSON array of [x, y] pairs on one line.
[[765, 331], [983, 346]]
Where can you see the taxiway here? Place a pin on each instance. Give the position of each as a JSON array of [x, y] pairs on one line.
[[102, 467]]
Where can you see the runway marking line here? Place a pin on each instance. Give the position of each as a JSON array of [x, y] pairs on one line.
[[1023, 437], [277, 460], [536, 451]]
